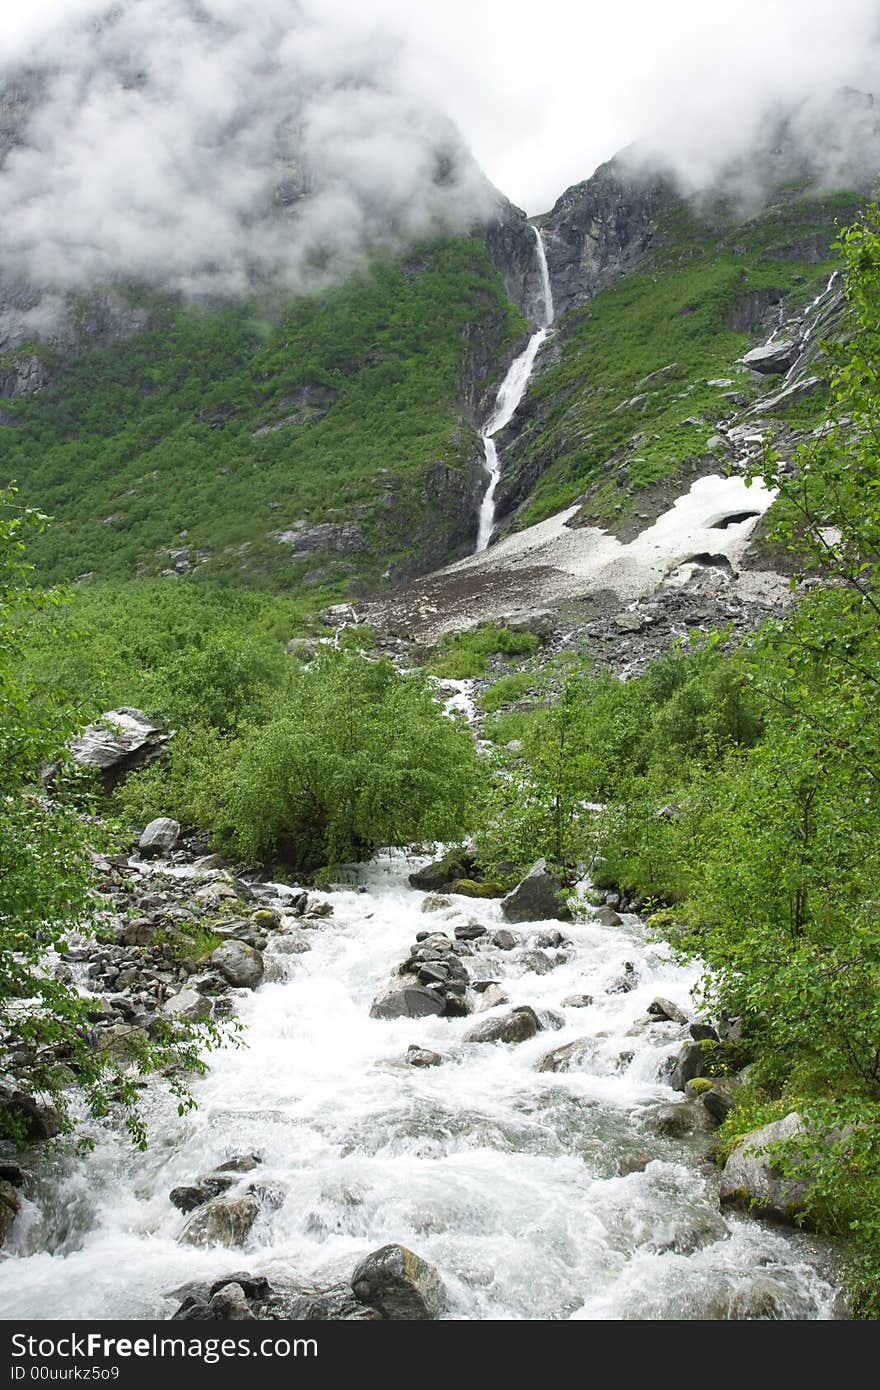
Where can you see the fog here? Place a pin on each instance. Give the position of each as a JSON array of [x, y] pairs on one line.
[[208, 145]]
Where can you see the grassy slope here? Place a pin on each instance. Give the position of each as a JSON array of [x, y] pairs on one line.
[[149, 443], [671, 312]]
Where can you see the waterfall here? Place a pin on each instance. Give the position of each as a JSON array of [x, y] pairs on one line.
[[510, 393]]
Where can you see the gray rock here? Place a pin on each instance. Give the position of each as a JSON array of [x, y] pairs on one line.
[[536, 898], [607, 917], [188, 1004], [690, 1063], [221, 1221], [516, 1027], [568, 1057], [10, 1206], [160, 836], [305, 649], [538, 963], [577, 1001], [121, 740], [230, 1304], [238, 963], [667, 1011], [189, 1196], [433, 902], [752, 1183], [400, 1285], [492, 997], [240, 1163], [675, 1121], [422, 1057], [771, 358], [504, 940], [413, 1001]]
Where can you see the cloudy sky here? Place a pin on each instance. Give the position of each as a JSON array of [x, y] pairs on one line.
[[544, 90]]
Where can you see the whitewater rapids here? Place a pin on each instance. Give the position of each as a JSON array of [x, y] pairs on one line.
[[514, 1182]]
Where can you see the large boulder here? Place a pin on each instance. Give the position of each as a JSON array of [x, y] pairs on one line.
[[516, 1027], [238, 963], [399, 1285], [692, 1061], [752, 1182], [771, 358], [413, 1001], [221, 1221], [160, 836], [117, 743], [537, 898], [442, 873]]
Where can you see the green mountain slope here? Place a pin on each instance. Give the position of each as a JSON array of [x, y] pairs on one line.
[[192, 444]]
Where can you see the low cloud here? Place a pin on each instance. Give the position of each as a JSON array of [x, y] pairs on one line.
[[209, 146]]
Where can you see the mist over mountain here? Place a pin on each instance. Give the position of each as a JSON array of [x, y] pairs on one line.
[[206, 150]]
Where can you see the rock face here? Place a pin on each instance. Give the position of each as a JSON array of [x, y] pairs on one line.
[[536, 898], [221, 1221], [121, 740], [399, 1285], [238, 963], [159, 837], [517, 1026], [511, 244], [750, 1181], [598, 230]]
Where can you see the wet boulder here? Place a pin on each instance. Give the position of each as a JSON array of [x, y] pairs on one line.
[[399, 1285], [435, 902], [692, 1061], [568, 1057], [753, 1182], [159, 837], [221, 1221], [422, 1057], [504, 940], [537, 898], [10, 1206], [238, 963], [665, 1011], [491, 997], [413, 1001], [538, 963], [192, 1195], [439, 876], [577, 1001], [515, 1027]]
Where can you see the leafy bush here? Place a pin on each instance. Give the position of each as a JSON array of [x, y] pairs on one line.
[[464, 655], [45, 869]]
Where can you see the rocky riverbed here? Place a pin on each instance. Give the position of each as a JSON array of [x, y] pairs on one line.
[[532, 1143]]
